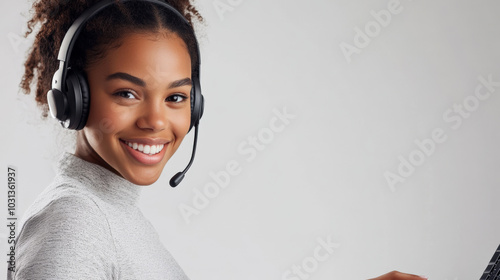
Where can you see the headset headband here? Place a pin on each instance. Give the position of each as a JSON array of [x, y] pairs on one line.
[[77, 26]]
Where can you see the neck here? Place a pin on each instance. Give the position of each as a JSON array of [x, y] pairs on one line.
[[85, 151]]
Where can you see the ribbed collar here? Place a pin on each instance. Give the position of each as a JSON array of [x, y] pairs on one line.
[[98, 180]]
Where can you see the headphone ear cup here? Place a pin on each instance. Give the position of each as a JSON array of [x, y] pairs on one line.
[[78, 100], [193, 97], [193, 101], [85, 100], [197, 103]]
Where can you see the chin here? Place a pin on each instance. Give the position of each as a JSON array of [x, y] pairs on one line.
[[142, 177], [143, 181]]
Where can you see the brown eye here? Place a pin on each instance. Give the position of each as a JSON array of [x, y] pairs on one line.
[[176, 98], [127, 94]]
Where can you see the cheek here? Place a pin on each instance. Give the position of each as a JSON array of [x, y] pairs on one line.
[[180, 122], [104, 119]]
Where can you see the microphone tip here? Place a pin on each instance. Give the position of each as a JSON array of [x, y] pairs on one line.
[[176, 180]]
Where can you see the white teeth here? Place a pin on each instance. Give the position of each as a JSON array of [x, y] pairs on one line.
[[147, 149]]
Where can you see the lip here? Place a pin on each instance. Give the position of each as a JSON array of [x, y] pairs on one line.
[[147, 141], [141, 157]]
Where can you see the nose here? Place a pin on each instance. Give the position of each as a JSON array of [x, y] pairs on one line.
[[153, 117]]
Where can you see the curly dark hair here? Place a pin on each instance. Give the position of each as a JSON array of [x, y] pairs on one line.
[[100, 33]]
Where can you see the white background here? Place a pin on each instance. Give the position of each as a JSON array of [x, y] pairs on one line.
[[323, 174]]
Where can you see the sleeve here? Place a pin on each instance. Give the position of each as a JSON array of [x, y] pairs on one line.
[[69, 239]]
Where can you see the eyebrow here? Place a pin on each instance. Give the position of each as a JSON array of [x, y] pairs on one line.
[[142, 83]]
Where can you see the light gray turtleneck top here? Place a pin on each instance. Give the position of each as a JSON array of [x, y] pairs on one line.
[[86, 225]]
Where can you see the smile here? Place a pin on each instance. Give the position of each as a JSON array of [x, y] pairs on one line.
[[149, 154], [145, 149]]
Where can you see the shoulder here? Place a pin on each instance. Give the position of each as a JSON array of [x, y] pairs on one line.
[[63, 203], [68, 237], [66, 213]]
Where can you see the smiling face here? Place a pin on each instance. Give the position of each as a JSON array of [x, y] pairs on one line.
[[139, 106]]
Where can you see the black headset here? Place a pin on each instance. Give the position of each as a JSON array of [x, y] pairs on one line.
[[69, 98]]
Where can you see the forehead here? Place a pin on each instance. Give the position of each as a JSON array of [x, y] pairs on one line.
[[145, 54]]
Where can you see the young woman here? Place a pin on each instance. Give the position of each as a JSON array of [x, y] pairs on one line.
[[137, 59]]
